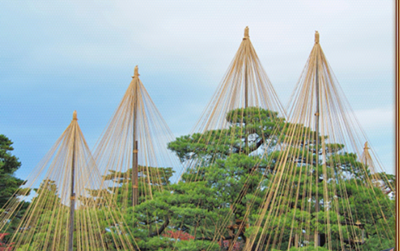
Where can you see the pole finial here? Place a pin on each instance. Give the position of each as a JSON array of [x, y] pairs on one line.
[[246, 33], [136, 71], [316, 37], [74, 115], [366, 145]]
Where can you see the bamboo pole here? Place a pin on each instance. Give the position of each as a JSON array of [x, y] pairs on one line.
[[316, 232], [72, 199], [246, 90], [135, 188], [366, 155]]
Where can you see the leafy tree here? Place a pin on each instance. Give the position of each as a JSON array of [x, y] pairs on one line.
[[8, 165], [192, 208], [255, 126], [47, 228], [9, 185], [120, 186], [233, 175], [231, 159], [228, 160], [347, 195]]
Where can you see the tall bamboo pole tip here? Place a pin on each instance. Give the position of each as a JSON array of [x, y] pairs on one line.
[[136, 72], [74, 115], [316, 37], [246, 32]]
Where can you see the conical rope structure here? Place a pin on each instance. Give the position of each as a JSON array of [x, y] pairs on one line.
[[322, 194], [366, 159], [132, 153], [135, 164], [226, 152], [379, 179], [54, 209]]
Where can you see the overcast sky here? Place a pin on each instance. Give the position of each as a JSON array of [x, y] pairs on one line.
[[56, 57]]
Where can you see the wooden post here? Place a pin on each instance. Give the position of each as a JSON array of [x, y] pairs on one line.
[[366, 154], [246, 91], [316, 232], [72, 198], [135, 183]]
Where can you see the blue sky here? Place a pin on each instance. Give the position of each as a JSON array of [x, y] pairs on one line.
[[60, 56]]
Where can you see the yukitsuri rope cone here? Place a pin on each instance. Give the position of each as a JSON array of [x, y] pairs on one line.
[[62, 214], [225, 151], [133, 147], [322, 194], [135, 164]]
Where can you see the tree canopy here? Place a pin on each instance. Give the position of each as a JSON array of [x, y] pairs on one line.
[[238, 176], [9, 184], [220, 204], [9, 163]]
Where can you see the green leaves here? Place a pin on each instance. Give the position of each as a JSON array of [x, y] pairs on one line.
[[253, 124], [8, 165], [192, 208], [233, 176]]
